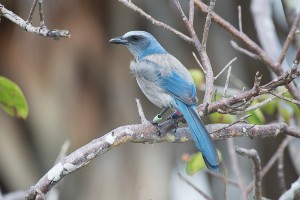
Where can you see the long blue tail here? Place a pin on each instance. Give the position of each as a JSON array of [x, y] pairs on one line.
[[201, 136]]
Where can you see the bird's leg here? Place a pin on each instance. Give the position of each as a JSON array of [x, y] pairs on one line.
[[175, 115], [158, 118]]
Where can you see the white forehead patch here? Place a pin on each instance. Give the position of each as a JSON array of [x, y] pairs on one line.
[[131, 33]]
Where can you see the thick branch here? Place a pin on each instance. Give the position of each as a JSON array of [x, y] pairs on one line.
[[43, 31], [141, 133]]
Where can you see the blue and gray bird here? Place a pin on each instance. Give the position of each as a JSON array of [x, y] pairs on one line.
[[168, 84]]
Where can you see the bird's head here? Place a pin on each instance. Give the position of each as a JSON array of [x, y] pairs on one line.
[[139, 43]]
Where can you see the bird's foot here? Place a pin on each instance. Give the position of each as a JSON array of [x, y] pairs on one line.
[[157, 127], [174, 116]]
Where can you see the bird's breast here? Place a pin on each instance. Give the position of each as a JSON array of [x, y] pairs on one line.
[[148, 78], [155, 93]]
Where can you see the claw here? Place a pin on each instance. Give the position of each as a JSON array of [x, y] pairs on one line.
[[173, 117], [157, 127]]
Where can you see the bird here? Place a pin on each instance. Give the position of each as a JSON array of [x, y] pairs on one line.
[[168, 84]]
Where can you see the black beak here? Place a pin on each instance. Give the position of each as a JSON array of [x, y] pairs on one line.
[[118, 40]]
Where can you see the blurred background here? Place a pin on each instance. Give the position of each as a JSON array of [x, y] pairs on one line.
[[80, 88]]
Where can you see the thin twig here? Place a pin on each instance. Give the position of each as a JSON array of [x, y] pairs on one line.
[[285, 98], [209, 75], [250, 43], [207, 23], [228, 64], [247, 96], [191, 12], [223, 178], [154, 21], [253, 155], [63, 151], [242, 119], [205, 196], [263, 103], [280, 172], [236, 168], [272, 160], [240, 18], [42, 20], [289, 40], [199, 63], [236, 33], [140, 111], [227, 82], [244, 51], [32, 11]]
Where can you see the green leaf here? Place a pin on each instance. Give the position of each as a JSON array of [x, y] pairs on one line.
[[257, 117], [196, 163], [197, 76], [12, 100]]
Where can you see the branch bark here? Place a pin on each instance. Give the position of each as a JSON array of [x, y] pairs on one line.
[[43, 31], [140, 133]]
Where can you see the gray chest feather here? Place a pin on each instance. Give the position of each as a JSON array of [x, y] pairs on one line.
[[148, 81]]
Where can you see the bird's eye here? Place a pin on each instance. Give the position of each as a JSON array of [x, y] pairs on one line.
[[135, 38]]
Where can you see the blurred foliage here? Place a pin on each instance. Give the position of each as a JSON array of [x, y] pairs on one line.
[[257, 116], [197, 76], [196, 163], [222, 118], [12, 100]]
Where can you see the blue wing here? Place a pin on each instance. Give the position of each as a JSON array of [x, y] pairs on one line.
[[171, 75], [179, 88]]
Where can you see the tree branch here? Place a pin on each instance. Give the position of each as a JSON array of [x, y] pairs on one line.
[[226, 104], [252, 154], [140, 133], [43, 31], [270, 63], [272, 160], [133, 7]]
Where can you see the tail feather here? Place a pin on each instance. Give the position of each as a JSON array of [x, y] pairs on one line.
[[201, 136]]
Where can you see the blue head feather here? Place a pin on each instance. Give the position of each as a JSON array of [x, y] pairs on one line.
[[141, 44]]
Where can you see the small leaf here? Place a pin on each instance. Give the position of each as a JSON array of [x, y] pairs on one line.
[[196, 163], [12, 100], [197, 76]]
